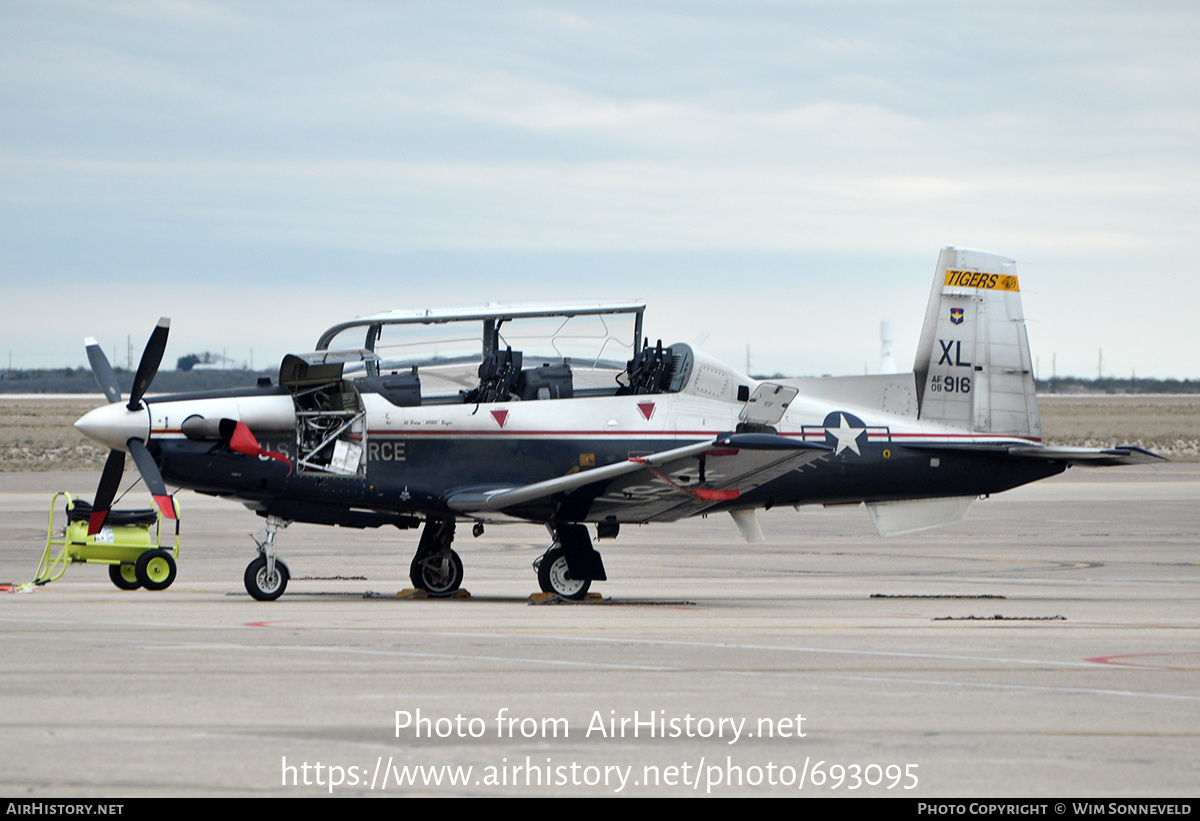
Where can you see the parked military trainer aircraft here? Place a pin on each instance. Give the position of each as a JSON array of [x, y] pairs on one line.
[[416, 421]]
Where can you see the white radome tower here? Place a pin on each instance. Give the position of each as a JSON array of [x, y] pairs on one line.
[[887, 362]]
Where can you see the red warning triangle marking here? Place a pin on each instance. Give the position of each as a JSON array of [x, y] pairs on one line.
[[647, 409], [500, 416]]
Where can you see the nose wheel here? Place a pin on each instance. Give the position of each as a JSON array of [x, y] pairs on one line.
[[266, 577], [264, 584]]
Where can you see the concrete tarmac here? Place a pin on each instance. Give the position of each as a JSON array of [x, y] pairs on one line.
[[1048, 646]]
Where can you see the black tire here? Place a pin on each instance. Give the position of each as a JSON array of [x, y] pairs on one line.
[[264, 587], [155, 570], [124, 576], [554, 576], [438, 579]]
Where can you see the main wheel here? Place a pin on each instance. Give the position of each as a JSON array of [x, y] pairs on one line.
[[124, 576], [437, 577], [555, 577], [155, 570], [264, 586]]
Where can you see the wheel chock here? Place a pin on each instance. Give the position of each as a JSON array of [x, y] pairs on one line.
[[416, 593], [554, 598]]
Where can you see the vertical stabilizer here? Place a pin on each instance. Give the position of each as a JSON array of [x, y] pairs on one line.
[[973, 367]]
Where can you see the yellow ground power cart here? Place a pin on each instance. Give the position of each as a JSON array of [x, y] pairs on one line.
[[124, 544]]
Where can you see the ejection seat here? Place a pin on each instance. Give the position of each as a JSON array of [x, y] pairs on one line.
[[498, 375], [650, 372]]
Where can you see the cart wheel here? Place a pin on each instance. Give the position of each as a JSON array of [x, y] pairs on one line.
[[155, 569], [124, 576]]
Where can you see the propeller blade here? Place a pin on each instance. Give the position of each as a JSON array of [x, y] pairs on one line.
[[148, 367], [106, 491], [102, 371], [151, 476]]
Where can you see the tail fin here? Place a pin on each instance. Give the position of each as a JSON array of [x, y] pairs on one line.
[[973, 367]]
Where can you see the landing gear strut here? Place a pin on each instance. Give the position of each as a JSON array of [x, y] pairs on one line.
[[266, 577], [436, 568], [571, 564]]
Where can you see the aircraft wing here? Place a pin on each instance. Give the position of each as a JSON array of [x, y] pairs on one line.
[[664, 486], [1083, 457]]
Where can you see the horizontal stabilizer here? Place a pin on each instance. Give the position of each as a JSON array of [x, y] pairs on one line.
[[1091, 457], [1084, 457]]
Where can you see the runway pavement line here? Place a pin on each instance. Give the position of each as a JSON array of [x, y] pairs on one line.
[[647, 668], [465, 657], [561, 638], [1110, 660]]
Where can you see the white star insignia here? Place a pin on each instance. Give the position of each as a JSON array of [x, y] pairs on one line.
[[847, 437]]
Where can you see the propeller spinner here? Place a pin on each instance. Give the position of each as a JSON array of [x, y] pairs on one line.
[[125, 428]]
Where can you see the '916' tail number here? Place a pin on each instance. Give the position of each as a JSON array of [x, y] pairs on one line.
[[950, 384]]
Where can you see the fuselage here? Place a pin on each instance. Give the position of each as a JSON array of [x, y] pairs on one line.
[[414, 458]]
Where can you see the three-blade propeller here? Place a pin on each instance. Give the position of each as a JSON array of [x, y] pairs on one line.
[[114, 467]]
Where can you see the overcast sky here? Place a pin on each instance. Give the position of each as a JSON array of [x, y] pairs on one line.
[[777, 174]]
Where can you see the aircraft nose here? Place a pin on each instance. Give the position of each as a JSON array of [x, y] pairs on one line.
[[114, 425]]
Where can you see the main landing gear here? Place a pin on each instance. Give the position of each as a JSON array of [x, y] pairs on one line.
[[436, 568], [266, 577], [571, 564], [567, 569]]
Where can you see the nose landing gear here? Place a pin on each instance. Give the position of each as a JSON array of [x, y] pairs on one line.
[[266, 577]]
